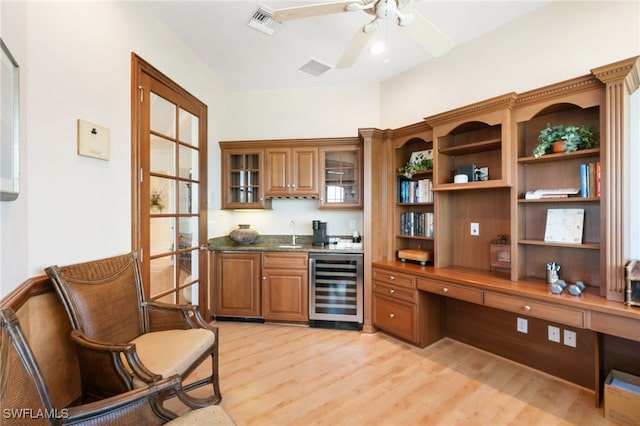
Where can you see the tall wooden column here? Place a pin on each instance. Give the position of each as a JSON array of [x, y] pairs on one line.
[[621, 79]]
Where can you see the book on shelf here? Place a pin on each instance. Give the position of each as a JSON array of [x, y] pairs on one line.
[[416, 224], [590, 179], [410, 191]]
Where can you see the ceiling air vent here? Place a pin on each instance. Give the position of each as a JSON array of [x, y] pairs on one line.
[[262, 20], [315, 68]]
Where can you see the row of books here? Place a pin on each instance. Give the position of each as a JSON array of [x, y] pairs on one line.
[[415, 191], [590, 179], [416, 224]]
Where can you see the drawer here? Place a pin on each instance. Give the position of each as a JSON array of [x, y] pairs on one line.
[[540, 310], [467, 294], [395, 292], [397, 279], [397, 318], [284, 260]]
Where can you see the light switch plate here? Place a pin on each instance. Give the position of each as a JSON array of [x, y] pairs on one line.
[[523, 325], [93, 140]]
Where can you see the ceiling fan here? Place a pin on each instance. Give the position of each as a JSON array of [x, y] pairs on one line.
[[414, 24]]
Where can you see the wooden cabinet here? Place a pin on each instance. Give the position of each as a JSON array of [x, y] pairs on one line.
[[243, 178], [403, 311], [413, 219], [292, 171], [237, 284], [285, 287], [341, 176]]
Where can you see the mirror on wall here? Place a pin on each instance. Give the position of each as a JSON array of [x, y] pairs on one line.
[[9, 125]]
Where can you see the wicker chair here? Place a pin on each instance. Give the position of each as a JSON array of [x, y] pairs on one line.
[[125, 342], [25, 400]]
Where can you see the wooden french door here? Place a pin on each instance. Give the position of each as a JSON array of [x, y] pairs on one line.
[[169, 179]]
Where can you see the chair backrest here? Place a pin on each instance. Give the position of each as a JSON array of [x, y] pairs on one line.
[[23, 394], [103, 297]]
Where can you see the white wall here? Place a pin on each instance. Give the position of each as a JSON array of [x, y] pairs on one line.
[[14, 254], [75, 63], [562, 40]]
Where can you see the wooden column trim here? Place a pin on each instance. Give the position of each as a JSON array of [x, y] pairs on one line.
[[376, 216], [621, 79]]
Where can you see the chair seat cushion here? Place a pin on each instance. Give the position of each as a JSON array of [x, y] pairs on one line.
[[171, 352], [211, 415]]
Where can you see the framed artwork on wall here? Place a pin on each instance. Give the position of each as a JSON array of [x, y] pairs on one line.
[[9, 125]]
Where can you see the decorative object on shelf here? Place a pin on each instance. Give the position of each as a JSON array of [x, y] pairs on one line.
[[632, 277], [500, 251], [564, 226], [421, 256], [561, 138], [244, 235], [156, 200], [419, 161]]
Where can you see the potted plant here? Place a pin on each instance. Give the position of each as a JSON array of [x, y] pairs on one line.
[[563, 138], [412, 167]]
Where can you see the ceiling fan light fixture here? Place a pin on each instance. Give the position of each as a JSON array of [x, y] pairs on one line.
[[377, 47]]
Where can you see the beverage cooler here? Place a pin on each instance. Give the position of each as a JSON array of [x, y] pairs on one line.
[[336, 290]]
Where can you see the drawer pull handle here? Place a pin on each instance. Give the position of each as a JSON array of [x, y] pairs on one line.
[[392, 291], [392, 315], [391, 277], [527, 308], [445, 290]]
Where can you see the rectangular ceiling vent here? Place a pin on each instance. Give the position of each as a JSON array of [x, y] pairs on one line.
[[315, 68], [262, 20]]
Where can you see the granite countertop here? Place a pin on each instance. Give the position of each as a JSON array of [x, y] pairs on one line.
[[273, 243]]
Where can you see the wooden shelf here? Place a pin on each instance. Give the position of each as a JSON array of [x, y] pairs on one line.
[[415, 237], [585, 246], [561, 156], [485, 184], [471, 148], [562, 200], [414, 204]]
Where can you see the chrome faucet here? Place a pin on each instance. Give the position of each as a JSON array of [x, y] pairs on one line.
[[292, 224]]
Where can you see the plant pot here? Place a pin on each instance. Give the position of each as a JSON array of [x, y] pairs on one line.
[[244, 235], [557, 147]]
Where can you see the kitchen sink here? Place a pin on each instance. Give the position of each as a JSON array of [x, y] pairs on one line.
[[289, 246]]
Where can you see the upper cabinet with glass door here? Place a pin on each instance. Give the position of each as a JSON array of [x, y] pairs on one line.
[[243, 177], [341, 176]]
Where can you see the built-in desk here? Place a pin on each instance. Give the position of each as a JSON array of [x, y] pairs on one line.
[[482, 308]]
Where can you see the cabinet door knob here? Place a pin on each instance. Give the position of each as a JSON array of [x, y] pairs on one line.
[[391, 277], [527, 308], [264, 278], [392, 315], [445, 290], [392, 291]]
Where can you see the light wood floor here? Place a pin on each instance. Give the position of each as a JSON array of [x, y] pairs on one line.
[[288, 375]]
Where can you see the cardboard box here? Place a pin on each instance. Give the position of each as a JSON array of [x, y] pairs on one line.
[[622, 398]]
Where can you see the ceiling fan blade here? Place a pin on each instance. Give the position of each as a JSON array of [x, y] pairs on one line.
[[428, 35], [357, 44], [297, 12]]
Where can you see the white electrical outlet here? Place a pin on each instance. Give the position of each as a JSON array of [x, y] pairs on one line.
[[554, 334], [570, 338], [523, 325], [475, 228]]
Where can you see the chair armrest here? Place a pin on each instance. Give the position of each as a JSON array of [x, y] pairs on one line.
[[102, 364], [143, 404], [166, 316]]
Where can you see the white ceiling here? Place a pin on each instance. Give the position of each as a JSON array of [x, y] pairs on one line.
[[247, 59]]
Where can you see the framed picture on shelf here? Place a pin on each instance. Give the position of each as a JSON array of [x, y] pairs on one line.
[[418, 156]]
